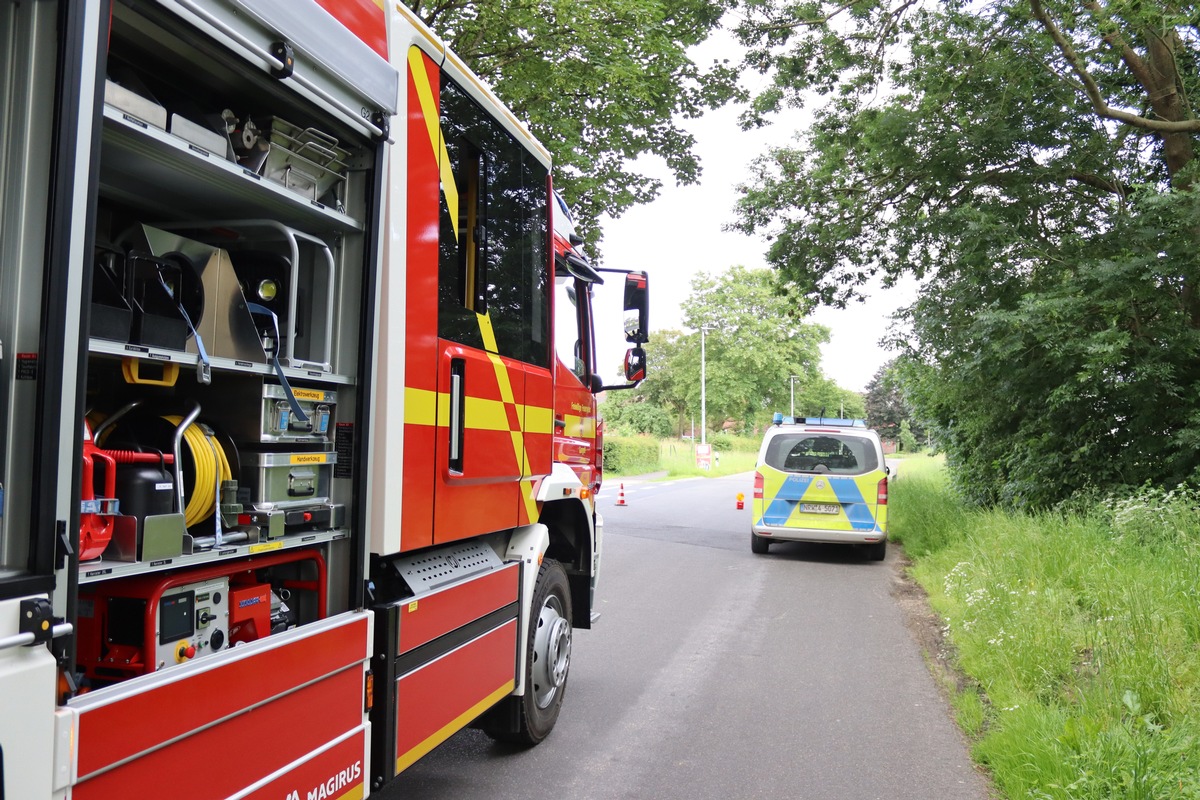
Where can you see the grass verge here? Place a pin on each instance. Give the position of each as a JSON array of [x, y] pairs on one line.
[[679, 460], [1078, 634]]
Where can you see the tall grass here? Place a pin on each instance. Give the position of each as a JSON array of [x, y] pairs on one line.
[[1081, 631], [679, 460]]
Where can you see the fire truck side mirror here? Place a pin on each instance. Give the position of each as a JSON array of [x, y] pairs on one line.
[[637, 309], [635, 365]]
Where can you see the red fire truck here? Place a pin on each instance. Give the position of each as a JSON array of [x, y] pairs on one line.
[[298, 435]]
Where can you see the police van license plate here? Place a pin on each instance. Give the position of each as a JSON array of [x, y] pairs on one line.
[[820, 508]]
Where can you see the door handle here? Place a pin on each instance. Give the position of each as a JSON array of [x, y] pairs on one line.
[[457, 401]]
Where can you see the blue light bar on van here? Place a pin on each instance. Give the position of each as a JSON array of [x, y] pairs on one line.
[[830, 422], [836, 423]]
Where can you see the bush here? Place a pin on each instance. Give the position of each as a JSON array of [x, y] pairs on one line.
[[728, 443], [721, 441], [638, 418], [630, 454]]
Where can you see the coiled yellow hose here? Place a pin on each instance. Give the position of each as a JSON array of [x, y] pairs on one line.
[[209, 458]]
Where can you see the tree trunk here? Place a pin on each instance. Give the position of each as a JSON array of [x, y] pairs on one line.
[[1167, 101]]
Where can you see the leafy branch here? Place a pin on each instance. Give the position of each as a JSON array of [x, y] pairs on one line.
[[1136, 65]]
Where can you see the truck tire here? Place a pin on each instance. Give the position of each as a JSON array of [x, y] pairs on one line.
[[528, 719], [758, 544]]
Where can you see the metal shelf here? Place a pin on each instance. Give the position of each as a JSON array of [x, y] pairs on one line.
[[147, 167], [121, 349], [102, 570]]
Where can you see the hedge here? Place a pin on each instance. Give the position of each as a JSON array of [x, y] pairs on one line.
[[728, 443], [630, 454]]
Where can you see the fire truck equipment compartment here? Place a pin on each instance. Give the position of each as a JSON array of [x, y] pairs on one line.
[[287, 480]]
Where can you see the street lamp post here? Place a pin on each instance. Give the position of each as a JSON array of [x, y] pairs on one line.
[[703, 409], [792, 382]]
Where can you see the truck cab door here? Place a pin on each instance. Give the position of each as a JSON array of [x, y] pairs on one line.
[[477, 313], [48, 131], [495, 387]]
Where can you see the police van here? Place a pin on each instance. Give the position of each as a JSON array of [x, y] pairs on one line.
[[820, 480]]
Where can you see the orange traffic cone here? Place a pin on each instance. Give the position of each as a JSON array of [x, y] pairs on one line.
[[621, 496], [741, 501]]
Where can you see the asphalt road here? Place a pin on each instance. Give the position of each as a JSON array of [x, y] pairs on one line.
[[717, 674]]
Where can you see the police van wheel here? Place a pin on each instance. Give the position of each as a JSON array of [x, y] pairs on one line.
[[758, 544], [877, 551], [528, 719]]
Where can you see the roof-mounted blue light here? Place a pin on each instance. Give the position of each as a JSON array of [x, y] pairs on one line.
[[836, 422]]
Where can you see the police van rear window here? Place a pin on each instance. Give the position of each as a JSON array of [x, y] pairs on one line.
[[833, 453]]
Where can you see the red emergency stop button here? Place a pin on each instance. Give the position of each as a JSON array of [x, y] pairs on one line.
[[184, 652]]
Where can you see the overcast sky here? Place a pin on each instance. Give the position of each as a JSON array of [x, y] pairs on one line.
[[682, 233]]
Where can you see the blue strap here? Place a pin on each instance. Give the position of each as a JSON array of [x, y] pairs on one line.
[[262, 310], [203, 366]]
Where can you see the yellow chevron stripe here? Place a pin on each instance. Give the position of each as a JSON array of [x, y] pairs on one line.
[[506, 394], [406, 760], [420, 407], [579, 427], [424, 407], [518, 440], [433, 126], [486, 415], [538, 419]]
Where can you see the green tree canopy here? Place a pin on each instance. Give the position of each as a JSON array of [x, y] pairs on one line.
[[885, 404], [599, 83], [886, 408], [668, 353], [1032, 161], [756, 340], [822, 397], [627, 413]]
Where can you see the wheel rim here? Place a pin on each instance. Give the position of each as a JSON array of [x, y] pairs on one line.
[[551, 652]]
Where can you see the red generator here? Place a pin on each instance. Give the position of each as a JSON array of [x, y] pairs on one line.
[[129, 627]]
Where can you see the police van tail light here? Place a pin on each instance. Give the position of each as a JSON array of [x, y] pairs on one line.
[[881, 497], [758, 486]]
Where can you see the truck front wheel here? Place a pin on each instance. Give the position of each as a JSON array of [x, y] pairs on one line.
[[528, 719]]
